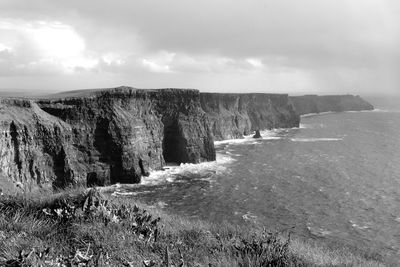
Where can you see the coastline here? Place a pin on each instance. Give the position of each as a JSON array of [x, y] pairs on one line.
[[119, 191]]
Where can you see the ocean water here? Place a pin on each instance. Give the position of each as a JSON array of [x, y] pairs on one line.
[[335, 179]]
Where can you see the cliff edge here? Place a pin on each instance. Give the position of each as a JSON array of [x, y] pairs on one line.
[[336, 103], [101, 137], [118, 135], [234, 115]]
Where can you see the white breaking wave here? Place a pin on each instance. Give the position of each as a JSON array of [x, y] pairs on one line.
[[244, 140], [385, 110], [171, 173], [363, 111], [304, 126], [316, 114], [228, 152], [248, 139], [347, 111], [249, 217], [125, 192], [315, 139], [355, 225], [318, 231]]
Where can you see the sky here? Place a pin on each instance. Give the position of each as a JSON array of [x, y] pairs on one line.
[[271, 46]]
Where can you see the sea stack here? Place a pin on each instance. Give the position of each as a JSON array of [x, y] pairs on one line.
[[232, 116], [257, 134]]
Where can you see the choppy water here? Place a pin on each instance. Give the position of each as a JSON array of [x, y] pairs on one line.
[[335, 178]]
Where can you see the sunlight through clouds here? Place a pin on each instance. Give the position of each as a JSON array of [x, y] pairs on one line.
[[4, 47], [255, 62], [159, 62], [113, 58], [49, 42], [273, 46], [56, 39]]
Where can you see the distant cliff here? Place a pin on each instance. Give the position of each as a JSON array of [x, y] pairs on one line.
[[317, 104], [107, 136], [234, 115]]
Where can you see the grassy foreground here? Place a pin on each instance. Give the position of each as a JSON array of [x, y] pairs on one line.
[[86, 228]]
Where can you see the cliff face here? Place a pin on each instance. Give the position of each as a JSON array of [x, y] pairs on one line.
[[35, 147], [234, 115], [120, 134], [102, 137], [316, 104]]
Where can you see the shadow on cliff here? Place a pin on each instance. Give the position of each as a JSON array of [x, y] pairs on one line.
[[111, 154], [173, 143]]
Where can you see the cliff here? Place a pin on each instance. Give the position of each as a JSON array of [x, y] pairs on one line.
[[317, 104], [35, 147], [118, 135], [101, 137], [234, 115]]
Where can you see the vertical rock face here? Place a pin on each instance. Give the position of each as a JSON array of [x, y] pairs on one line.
[[118, 135], [101, 137], [234, 115], [187, 135], [316, 104], [35, 148]]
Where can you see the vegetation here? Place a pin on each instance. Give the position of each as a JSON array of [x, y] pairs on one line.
[[86, 228]]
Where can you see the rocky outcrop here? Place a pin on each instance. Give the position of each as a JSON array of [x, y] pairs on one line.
[[316, 104], [101, 137], [35, 148], [234, 115], [257, 134]]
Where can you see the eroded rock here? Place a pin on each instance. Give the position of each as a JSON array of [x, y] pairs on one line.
[[101, 137], [234, 115], [257, 134]]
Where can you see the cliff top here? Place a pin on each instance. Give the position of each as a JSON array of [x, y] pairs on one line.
[[316, 96], [121, 90], [244, 93]]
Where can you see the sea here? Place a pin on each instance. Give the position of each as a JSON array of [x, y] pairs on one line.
[[335, 179]]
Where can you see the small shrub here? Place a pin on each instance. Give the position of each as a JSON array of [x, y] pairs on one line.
[[266, 249]]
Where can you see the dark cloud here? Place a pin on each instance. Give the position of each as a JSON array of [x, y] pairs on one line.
[[334, 45]]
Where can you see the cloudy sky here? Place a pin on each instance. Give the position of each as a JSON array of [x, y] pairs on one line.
[[284, 46]]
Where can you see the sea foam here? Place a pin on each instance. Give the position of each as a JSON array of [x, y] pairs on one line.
[[248, 139], [315, 139], [202, 170], [316, 114]]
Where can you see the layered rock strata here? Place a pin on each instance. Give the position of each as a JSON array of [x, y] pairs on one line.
[[35, 147], [101, 137], [234, 115], [98, 137]]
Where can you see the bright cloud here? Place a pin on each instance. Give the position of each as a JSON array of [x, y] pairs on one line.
[[341, 46], [113, 58], [56, 39], [4, 47], [255, 62], [159, 62], [36, 44]]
